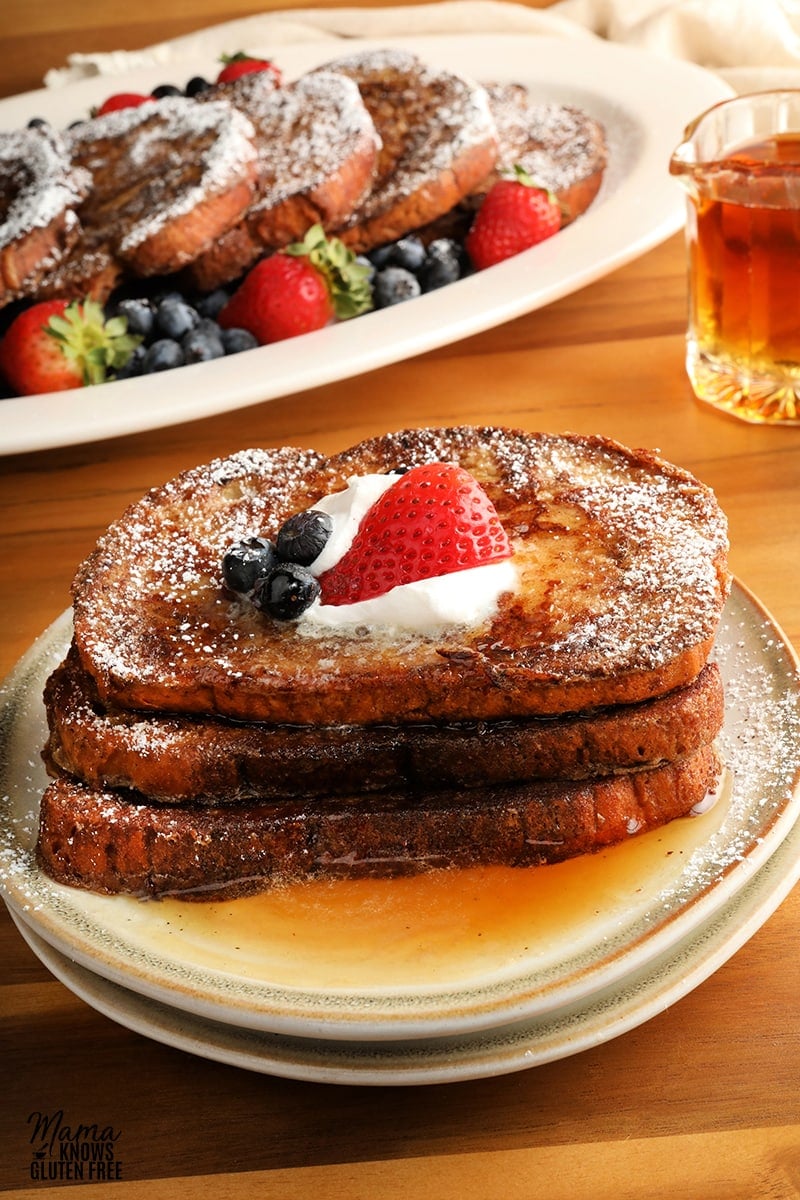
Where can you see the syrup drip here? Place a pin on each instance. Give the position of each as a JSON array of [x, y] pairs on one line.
[[445, 927]]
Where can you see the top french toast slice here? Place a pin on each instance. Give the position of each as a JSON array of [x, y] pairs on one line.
[[317, 151], [168, 178], [438, 141], [621, 562], [40, 190]]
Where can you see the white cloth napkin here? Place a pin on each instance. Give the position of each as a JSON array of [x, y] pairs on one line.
[[752, 44]]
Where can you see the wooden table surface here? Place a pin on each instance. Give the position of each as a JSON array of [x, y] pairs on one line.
[[703, 1100]]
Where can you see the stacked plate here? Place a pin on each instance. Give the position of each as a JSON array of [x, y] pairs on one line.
[[447, 976]]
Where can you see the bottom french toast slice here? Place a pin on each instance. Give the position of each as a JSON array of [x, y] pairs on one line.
[[113, 842], [175, 759]]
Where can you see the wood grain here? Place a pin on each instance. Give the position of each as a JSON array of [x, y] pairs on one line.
[[703, 1101]]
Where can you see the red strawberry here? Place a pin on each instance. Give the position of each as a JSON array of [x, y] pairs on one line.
[[120, 100], [435, 520], [515, 215], [299, 289], [280, 298], [57, 345], [240, 64]]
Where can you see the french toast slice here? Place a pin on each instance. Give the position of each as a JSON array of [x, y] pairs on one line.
[[40, 190], [168, 178], [317, 152], [178, 759], [438, 141], [620, 560], [560, 146], [89, 270], [113, 842]]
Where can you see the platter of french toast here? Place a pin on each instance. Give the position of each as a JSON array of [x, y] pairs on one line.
[[450, 752], [185, 196]]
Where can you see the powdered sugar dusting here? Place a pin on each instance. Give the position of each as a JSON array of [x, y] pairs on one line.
[[760, 750], [38, 181], [427, 119], [557, 144], [178, 153], [305, 131]]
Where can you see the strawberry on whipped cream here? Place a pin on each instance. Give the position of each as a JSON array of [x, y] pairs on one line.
[[465, 595]]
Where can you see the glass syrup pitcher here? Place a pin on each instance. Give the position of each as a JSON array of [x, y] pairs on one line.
[[740, 165]]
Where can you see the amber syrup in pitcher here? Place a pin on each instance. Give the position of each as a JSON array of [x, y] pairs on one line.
[[744, 344]]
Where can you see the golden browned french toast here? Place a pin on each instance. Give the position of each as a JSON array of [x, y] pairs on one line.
[[317, 151], [561, 147], [108, 841], [168, 178], [89, 270], [40, 189], [179, 759], [620, 562], [438, 141]]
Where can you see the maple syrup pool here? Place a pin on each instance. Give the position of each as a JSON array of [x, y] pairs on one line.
[[440, 928]]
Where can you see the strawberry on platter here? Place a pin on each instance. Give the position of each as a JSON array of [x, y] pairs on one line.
[[58, 344], [241, 63], [120, 100], [299, 289], [515, 215]]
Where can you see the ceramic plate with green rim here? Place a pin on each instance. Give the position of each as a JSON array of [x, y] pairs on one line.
[[447, 952]]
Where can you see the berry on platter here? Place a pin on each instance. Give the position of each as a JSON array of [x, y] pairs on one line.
[[299, 289], [435, 520], [240, 64], [120, 100], [56, 345], [515, 215]]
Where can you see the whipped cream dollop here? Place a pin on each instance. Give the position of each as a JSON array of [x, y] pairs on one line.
[[466, 597]]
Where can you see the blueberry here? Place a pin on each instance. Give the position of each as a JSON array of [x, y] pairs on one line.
[[302, 537], [381, 256], [134, 366], [409, 253], [139, 314], [196, 85], [443, 264], [175, 317], [170, 294], [393, 285], [201, 345], [286, 592], [165, 89], [247, 562], [162, 355], [236, 340], [212, 304]]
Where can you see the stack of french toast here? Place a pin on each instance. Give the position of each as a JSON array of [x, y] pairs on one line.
[[371, 146], [200, 747]]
